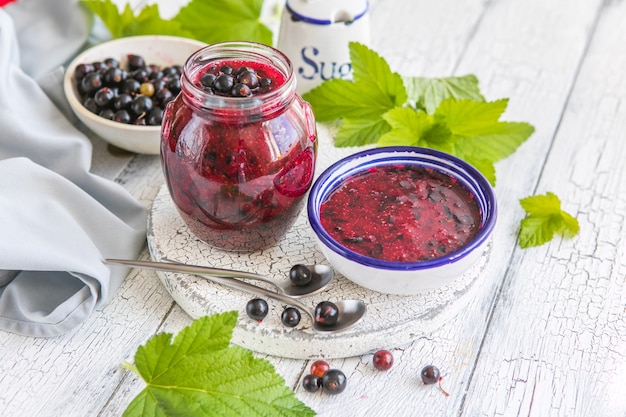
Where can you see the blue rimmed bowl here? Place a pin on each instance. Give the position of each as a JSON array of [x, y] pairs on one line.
[[397, 277]]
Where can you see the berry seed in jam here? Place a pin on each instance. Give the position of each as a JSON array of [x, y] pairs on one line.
[[238, 146], [401, 213]]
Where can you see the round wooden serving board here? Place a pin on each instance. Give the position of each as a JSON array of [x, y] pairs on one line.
[[390, 321]]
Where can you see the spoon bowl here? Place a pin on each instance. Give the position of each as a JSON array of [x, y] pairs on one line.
[[321, 275], [350, 312]]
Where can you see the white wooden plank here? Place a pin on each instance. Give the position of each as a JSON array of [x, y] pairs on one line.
[[561, 316], [507, 52], [527, 51]]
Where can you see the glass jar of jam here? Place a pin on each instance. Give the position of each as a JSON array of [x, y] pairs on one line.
[[238, 146]]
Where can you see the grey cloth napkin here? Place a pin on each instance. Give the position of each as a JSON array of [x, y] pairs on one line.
[[57, 220]]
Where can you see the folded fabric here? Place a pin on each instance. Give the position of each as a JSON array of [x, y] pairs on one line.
[[57, 220]]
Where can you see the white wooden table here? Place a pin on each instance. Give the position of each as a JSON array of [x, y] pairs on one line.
[[545, 336]]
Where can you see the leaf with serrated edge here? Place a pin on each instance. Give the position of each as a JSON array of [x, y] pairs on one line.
[[110, 15], [342, 99], [544, 219], [149, 22], [369, 68], [415, 128], [360, 132], [477, 123], [207, 334], [213, 21], [199, 374], [428, 93]]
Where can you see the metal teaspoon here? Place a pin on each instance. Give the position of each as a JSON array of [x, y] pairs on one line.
[[321, 275], [350, 311]]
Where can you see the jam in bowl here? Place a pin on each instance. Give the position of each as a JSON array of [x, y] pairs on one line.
[[402, 220], [238, 146]]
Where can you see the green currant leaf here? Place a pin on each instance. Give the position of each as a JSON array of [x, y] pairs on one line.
[[362, 102], [544, 219], [209, 21], [342, 99], [199, 374], [214, 21], [147, 22], [481, 135], [359, 132], [428, 93], [370, 69], [416, 128]]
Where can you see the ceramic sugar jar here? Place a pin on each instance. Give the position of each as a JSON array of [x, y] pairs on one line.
[[315, 34], [238, 146]]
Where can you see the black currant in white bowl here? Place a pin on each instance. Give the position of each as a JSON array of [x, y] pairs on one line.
[[119, 88], [402, 220]]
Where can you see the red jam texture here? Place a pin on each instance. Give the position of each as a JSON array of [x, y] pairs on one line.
[[238, 185], [401, 213]]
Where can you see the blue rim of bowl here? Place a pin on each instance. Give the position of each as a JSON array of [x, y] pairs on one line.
[[443, 162]]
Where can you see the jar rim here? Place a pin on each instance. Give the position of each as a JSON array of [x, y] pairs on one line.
[[278, 97]]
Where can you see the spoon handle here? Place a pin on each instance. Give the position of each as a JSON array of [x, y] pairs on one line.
[[228, 282], [191, 269]]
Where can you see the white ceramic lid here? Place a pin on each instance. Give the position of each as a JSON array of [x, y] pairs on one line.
[[326, 12]]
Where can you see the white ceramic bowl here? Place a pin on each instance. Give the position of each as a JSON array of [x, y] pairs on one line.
[[402, 277], [159, 50]]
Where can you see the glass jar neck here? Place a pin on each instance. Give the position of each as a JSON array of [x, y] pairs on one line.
[[238, 109]]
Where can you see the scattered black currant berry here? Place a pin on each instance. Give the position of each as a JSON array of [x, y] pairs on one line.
[[383, 360], [431, 375], [334, 381], [326, 313], [319, 368], [257, 309], [300, 275], [291, 317], [311, 383]]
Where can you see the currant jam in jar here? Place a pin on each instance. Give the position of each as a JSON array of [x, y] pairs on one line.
[[238, 146]]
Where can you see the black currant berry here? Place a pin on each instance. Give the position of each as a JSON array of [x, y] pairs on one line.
[[291, 317], [226, 69], [155, 116], [311, 383], [257, 309], [224, 83], [431, 375], [248, 78], [208, 79], [82, 69], [326, 313], [113, 75], [122, 101], [240, 90], [111, 62], [141, 104], [130, 86], [107, 114], [135, 62], [104, 96], [300, 275], [90, 83], [334, 381], [122, 116], [90, 104]]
